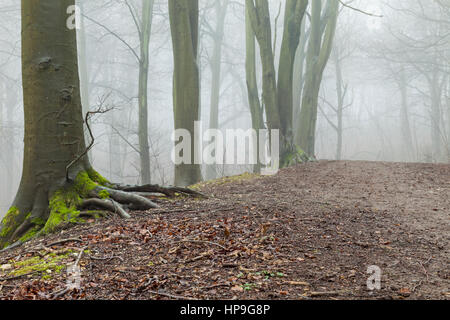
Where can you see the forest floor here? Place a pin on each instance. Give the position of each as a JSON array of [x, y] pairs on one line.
[[310, 232]]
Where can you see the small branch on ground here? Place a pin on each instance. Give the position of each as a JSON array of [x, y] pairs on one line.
[[168, 295], [64, 241]]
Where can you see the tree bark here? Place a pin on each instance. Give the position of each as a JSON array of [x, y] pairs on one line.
[[54, 134], [319, 50], [278, 99], [146, 26], [341, 90], [254, 103], [186, 84], [221, 7], [436, 94], [408, 146], [294, 13]]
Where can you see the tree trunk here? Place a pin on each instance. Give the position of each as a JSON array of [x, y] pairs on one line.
[[294, 13], [299, 77], [256, 109], [408, 147], [341, 90], [278, 100], [319, 50], [436, 115], [54, 134], [216, 70], [146, 26], [186, 94]]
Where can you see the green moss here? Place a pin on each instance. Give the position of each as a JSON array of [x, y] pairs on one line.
[[62, 206], [104, 194], [60, 268], [51, 262], [96, 177], [294, 157], [31, 233], [38, 222], [84, 184], [9, 222], [63, 210]]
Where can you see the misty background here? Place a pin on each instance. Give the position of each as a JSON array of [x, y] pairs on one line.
[[393, 60]]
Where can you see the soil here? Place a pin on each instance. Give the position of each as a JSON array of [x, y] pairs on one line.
[[310, 232]]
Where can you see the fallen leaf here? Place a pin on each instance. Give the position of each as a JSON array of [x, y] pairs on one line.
[[237, 288]]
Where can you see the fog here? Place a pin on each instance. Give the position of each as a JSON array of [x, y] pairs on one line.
[[393, 58]]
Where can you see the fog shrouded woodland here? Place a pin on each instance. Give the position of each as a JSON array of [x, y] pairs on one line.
[[340, 80]]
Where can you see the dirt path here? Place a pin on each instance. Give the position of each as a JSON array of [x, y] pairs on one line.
[[310, 232]]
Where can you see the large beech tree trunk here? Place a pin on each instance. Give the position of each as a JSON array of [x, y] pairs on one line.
[[58, 181], [54, 134], [186, 83]]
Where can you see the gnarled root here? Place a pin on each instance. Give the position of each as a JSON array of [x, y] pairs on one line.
[[132, 200], [170, 192], [45, 213], [107, 204]]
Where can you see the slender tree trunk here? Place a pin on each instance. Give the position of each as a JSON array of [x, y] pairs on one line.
[[408, 147], [278, 99], [299, 79], [186, 94], [260, 20], [294, 13], [436, 116], [319, 50], [146, 26], [256, 110], [216, 70], [341, 90]]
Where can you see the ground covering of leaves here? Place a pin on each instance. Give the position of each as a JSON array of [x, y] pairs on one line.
[[309, 232]]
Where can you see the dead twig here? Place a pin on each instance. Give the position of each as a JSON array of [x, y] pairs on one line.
[[168, 295], [325, 293], [91, 145], [64, 241]]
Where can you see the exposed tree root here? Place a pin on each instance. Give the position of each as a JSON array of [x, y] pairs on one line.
[[132, 200], [170, 192], [87, 196], [107, 204]]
